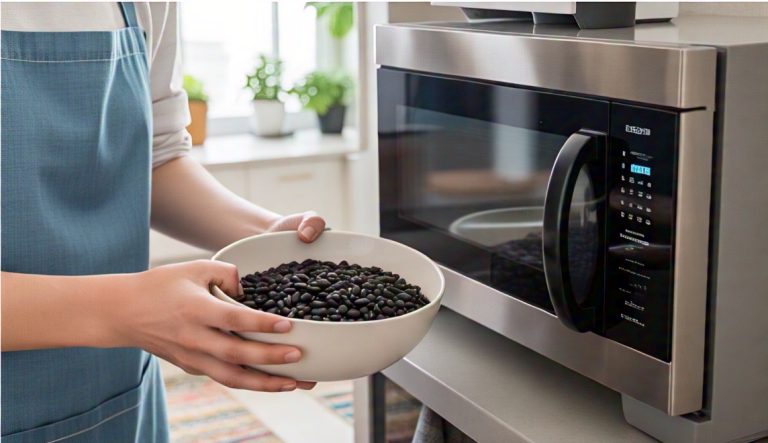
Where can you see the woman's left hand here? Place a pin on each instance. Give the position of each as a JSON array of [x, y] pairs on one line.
[[308, 225]]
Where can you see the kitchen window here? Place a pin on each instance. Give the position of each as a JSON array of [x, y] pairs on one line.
[[222, 42]]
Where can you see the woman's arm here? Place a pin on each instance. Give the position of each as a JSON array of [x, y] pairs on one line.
[[190, 205], [44, 311], [167, 311], [187, 203]]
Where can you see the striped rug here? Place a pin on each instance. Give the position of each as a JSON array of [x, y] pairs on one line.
[[337, 396], [200, 410]]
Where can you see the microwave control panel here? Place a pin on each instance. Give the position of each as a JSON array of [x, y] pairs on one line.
[[640, 228]]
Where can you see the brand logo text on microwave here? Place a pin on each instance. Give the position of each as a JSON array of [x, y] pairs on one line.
[[637, 130]]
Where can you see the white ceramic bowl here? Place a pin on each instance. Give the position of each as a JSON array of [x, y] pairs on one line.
[[341, 351]]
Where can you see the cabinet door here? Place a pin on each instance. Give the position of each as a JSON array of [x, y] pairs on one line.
[[164, 249], [316, 185]]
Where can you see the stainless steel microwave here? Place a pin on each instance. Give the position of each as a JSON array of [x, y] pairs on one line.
[[573, 187]]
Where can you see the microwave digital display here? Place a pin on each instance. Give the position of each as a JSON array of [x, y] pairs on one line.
[[637, 169]]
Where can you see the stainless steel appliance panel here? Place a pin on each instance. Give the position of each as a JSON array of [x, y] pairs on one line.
[[677, 76]]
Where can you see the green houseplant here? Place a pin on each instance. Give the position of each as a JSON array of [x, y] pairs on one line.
[[264, 83], [340, 16], [198, 109], [327, 94]]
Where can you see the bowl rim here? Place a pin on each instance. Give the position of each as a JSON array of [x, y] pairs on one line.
[[437, 299]]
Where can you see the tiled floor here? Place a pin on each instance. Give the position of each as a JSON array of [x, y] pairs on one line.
[[295, 417]]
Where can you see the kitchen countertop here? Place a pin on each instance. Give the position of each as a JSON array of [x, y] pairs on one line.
[[248, 148], [496, 390]]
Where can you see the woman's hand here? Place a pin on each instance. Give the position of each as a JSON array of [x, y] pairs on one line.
[[169, 312], [308, 225]]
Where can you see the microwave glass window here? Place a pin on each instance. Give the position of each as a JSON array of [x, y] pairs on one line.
[[484, 183]]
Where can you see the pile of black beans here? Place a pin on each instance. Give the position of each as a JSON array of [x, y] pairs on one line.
[[328, 291]]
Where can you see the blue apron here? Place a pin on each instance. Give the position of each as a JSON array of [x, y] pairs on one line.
[[76, 134]]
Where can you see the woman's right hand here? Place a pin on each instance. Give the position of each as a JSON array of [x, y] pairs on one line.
[[170, 312]]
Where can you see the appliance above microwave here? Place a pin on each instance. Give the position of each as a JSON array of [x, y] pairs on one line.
[[585, 14], [573, 190]]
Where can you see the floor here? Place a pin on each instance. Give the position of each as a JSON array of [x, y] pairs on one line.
[[295, 417]]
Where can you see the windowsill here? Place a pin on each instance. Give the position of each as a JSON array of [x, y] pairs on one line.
[[246, 148]]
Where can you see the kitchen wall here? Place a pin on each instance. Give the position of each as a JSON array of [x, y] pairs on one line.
[[753, 9]]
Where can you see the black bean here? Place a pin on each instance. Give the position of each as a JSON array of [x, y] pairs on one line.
[[343, 309], [306, 297], [361, 302], [269, 304], [353, 313], [317, 304]]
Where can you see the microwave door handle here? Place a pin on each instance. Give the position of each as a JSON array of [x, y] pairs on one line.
[[579, 149]]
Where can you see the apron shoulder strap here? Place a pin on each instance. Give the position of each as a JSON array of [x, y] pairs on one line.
[[129, 14]]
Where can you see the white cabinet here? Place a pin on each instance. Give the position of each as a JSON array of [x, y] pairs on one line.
[[286, 186]]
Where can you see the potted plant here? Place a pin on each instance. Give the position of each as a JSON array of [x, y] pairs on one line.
[[265, 86], [327, 94], [198, 109], [340, 16]]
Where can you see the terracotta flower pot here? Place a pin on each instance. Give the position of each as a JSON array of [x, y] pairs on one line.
[[197, 129]]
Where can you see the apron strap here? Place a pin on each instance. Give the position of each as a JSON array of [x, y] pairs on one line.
[[129, 14]]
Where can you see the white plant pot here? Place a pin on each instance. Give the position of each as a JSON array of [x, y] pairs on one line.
[[268, 117]]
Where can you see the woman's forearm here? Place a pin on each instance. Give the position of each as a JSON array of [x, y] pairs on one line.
[[190, 205], [49, 311]]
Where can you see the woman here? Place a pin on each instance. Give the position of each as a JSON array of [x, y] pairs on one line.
[[92, 114]]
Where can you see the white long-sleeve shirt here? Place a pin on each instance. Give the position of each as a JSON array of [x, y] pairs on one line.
[[170, 113]]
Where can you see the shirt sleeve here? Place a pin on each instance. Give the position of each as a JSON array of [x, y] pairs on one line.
[[170, 111]]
